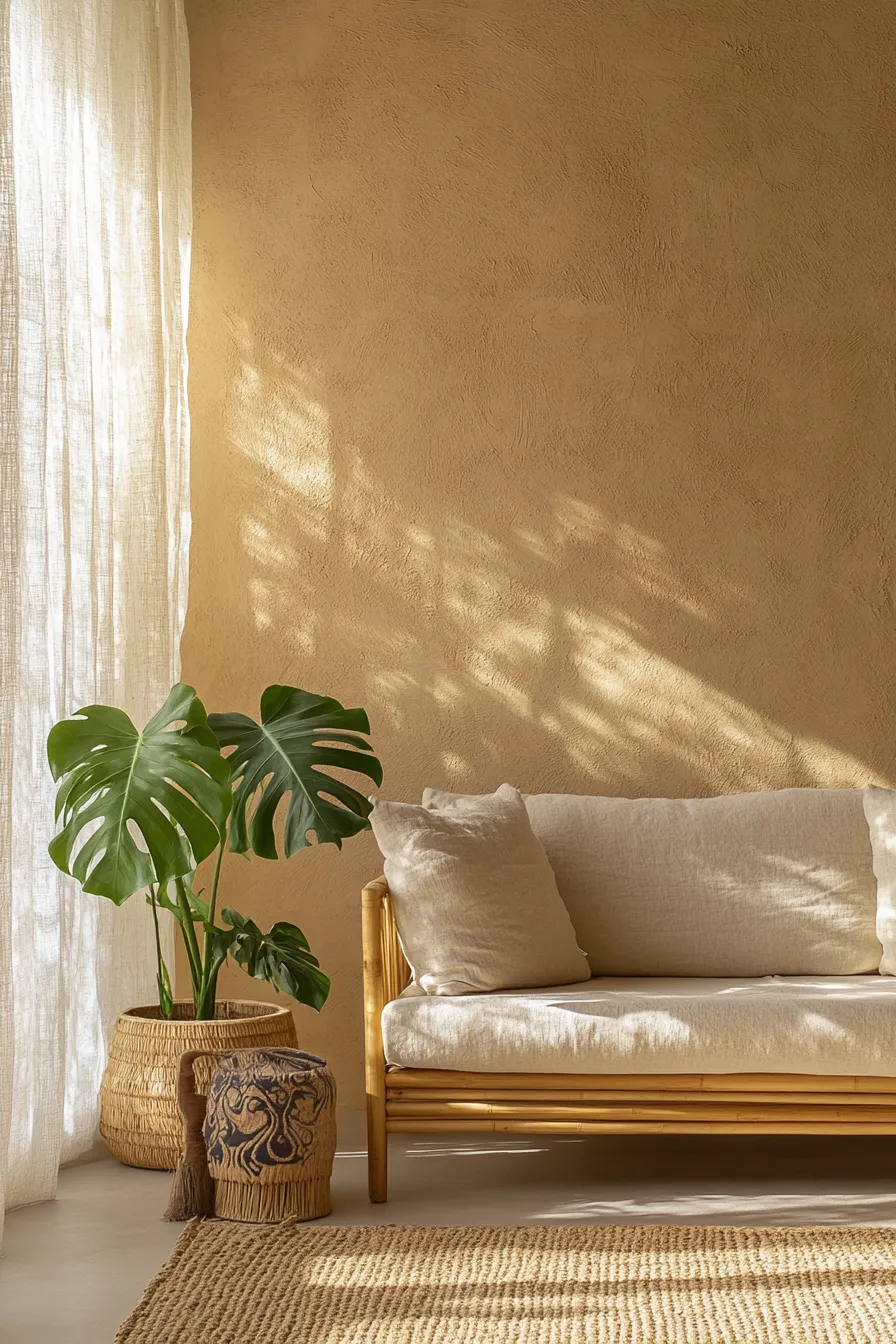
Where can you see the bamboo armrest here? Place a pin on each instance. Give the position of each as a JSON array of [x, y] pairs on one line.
[[386, 973]]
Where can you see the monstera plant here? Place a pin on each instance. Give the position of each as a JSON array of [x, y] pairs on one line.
[[139, 809]]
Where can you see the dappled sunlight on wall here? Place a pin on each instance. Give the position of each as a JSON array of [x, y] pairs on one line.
[[555, 634], [542, 401]]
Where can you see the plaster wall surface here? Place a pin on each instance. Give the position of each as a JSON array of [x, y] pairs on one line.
[[542, 387]]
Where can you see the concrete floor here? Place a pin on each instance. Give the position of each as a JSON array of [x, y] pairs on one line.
[[72, 1269]]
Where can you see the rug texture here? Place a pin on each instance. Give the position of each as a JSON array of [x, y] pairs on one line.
[[296, 1284]]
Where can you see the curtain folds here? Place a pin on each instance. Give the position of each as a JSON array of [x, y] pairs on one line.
[[94, 509]]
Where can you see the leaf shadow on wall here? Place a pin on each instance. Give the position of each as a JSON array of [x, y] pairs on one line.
[[499, 619]]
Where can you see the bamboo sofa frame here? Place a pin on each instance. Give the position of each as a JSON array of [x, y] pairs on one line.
[[426, 1101]]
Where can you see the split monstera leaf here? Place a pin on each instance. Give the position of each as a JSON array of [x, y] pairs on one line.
[[139, 810]]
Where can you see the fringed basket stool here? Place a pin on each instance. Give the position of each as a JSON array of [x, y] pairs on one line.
[[267, 1140]]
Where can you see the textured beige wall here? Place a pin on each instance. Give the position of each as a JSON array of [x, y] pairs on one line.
[[542, 391]]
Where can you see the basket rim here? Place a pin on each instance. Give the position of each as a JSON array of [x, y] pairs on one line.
[[147, 1014]]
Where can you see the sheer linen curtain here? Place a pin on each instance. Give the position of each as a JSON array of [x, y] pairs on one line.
[[94, 257]]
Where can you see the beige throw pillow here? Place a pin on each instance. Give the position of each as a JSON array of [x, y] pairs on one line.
[[475, 899]]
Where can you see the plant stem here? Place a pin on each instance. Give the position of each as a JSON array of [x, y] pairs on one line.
[[205, 1004], [216, 877], [192, 945], [162, 978], [210, 971]]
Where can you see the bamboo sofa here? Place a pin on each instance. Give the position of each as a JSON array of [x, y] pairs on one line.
[[403, 1099]]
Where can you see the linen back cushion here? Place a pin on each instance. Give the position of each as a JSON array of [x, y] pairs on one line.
[[777, 883], [475, 900]]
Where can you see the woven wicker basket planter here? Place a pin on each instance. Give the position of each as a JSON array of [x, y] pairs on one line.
[[139, 1119]]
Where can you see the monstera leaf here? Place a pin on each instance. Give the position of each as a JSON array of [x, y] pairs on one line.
[[283, 755], [171, 784], [281, 957]]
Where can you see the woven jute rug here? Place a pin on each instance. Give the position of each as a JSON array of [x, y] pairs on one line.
[[301, 1284]]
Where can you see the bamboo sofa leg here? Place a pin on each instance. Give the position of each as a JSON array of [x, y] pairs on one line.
[[377, 1151]]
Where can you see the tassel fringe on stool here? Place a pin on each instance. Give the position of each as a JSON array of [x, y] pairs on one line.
[[192, 1190]]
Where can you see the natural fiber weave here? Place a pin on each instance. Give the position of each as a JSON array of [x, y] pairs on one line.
[[139, 1118], [522, 1285]]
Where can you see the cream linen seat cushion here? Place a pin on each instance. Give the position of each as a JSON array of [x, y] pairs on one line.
[[793, 1024], [776, 883], [474, 897]]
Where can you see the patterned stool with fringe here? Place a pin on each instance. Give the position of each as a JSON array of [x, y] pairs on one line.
[[267, 1140]]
